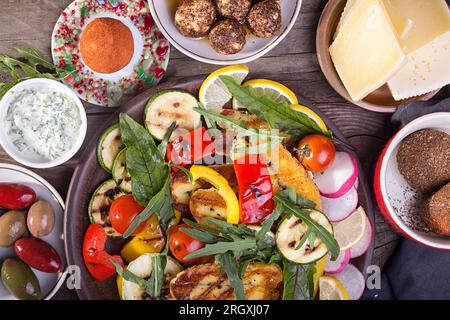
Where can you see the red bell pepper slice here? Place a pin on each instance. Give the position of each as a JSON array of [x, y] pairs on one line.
[[190, 148], [97, 260], [255, 188]]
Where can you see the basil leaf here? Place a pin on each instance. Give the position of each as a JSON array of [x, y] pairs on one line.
[[297, 284], [304, 214], [161, 204], [229, 265], [129, 276], [156, 280], [222, 247], [278, 115], [144, 161]]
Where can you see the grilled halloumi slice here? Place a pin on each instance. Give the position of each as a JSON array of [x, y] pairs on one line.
[[286, 171], [207, 203], [182, 189], [206, 282]]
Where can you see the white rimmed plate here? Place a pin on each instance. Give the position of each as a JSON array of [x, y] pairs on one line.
[[49, 282], [163, 13]]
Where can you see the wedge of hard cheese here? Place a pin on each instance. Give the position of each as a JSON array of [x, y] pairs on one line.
[[401, 24], [428, 69], [366, 53], [430, 19]]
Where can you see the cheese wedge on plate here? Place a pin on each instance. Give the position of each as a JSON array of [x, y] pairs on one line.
[[430, 19], [401, 24], [367, 51], [428, 69]]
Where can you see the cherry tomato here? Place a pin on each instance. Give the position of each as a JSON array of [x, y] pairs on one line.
[[181, 244], [315, 152], [123, 211]]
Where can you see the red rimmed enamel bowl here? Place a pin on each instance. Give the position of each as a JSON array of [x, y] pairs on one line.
[[399, 202]]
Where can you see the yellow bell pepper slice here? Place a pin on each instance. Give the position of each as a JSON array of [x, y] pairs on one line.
[[149, 240], [223, 188], [119, 281]]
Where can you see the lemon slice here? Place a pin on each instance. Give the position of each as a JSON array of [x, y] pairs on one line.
[[350, 231], [213, 93], [274, 90], [331, 289], [311, 114]]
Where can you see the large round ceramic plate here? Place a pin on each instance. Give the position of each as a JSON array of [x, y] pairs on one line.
[[164, 11], [145, 69], [49, 282], [88, 176]]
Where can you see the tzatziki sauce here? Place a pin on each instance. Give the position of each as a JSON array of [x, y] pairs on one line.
[[43, 122]]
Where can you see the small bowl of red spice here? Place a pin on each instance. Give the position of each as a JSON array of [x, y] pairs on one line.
[[412, 179]]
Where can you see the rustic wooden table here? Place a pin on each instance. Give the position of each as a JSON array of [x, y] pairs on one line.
[[293, 62]]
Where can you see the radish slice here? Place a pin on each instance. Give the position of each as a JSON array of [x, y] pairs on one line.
[[356, 185], [339, 177], [352, 280], [362, 246], [340, 208], [341, 262]]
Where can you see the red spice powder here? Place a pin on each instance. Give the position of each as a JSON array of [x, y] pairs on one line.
[[106, 45]]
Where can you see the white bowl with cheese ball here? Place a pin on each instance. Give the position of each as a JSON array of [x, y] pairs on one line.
[[43, 123]]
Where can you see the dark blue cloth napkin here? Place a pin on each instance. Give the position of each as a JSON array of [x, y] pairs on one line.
[[414, 271]]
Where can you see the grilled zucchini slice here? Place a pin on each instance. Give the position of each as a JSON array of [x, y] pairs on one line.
[[109, 146], [100, 203], [120, 173], [291, 232], [168, 106]]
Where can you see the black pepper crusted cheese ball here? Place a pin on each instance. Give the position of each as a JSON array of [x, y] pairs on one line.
[[227, 37], [424, 159], [234, 9], [264, 18], [194, 18], [436, 211]]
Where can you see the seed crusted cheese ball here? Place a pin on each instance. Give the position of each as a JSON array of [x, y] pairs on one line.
[[227, 37], [194, 18], [264, 18], [436, 211], [424, 159], [234, 9]]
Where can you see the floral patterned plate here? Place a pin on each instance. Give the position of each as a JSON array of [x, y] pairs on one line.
[[146, 68]]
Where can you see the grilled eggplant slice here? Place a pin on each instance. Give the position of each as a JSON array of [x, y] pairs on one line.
[[206, 282]]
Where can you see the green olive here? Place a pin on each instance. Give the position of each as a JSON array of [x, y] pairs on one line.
[[40, 219], [20, 280], [12, 227]]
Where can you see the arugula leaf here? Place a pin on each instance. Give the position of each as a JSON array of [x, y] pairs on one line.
[[161, 204], [300, 201], [200, 235], [278, 115], [181, 168], [156, 280], [298, 280], [203, 227], [144, 160], [222, 247], [129, 276], [268, 223], [35, 59], [209, 124], [291, 207], [229, 265], [238, 230], [162, 147], [239, 126]]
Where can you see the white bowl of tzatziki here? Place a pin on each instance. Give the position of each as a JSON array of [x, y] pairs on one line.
[[43, 123]]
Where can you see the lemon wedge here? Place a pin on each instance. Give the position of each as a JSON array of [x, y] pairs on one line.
[[350, 231], [331, 289], [275, 91], [213, 93], [311, 114]]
